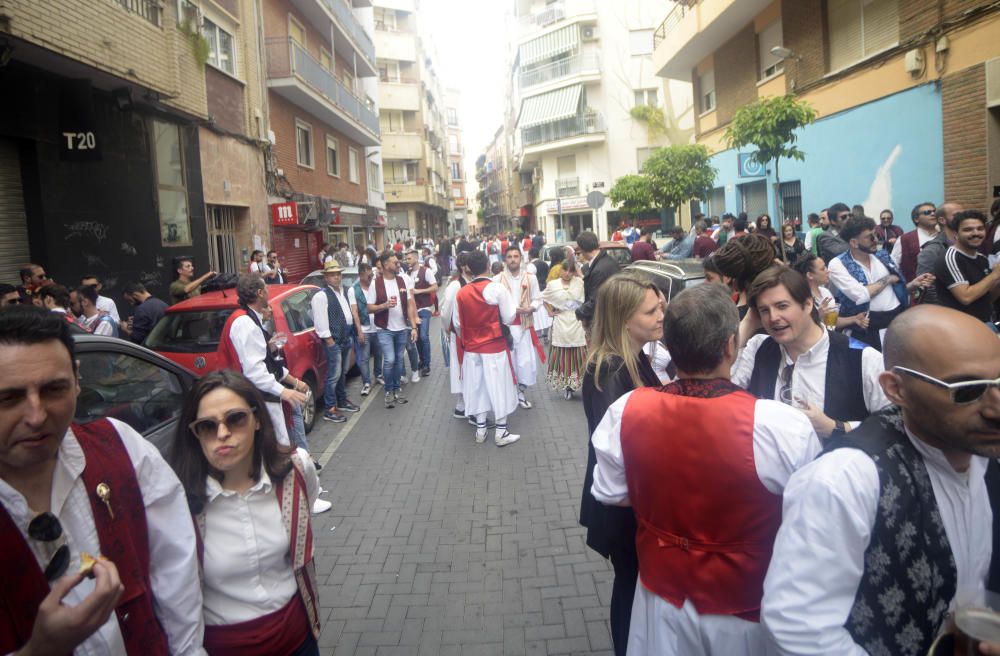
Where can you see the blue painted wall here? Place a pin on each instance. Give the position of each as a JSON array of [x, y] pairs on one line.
[[887, 153]]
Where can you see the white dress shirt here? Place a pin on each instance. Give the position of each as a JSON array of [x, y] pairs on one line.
[[828, 516], [321, 316], [809, 375], [173, 564], [897, 248], [105, 304], [447, 306], [247, 571], [370, 300], [495, 294], [783, 441], [260, 267], [96, 326], [659, 358], [397, 315], [248, 340], [884, 301]]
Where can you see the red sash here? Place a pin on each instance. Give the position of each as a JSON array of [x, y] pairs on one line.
[[280, 632]]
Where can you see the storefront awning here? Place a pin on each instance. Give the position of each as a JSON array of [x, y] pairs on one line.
[[550, 107], [549, 45]]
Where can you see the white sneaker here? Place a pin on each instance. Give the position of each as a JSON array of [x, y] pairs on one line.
[[505, 439], [415, 378], [480, 435], [380, 380], [320, 506], [524, 403], [366, 389]]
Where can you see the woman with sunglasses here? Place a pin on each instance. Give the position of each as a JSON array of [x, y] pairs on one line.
[[250, 498]]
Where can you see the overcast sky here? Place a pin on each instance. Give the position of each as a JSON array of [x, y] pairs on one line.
[[471, 46]]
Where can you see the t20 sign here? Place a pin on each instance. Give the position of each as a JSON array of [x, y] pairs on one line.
[[284, 214]]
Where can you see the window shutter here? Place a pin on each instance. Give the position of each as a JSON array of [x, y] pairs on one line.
[[881, 25], [845, 32], [769, 38]]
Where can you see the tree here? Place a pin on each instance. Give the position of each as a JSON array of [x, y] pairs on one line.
[[678, 174], [770, 126], [632, 194]]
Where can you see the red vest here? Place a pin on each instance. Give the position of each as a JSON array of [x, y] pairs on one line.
[[911, 249], [706, 524], [480, 321], [124, 540], [228, 358], [422, 300], [382, 318]]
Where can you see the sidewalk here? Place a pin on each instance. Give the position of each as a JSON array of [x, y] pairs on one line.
[[437, 545]]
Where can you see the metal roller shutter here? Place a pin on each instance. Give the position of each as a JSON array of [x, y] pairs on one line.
[[14, 252], [298, 261], [754, 199]]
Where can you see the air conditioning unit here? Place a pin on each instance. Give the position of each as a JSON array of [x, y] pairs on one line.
[[589, 33]]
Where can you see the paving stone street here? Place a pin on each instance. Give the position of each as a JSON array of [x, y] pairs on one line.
[[437, 545]]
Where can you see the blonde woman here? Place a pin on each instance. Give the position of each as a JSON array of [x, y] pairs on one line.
[[629, 315], [568, 342]]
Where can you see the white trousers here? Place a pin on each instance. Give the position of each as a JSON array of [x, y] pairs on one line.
[[487, 384], [525, 356], [454, 369]]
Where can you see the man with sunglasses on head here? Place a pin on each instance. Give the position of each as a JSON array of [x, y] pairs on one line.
[[907, 248], [890, 530], [98, 488]]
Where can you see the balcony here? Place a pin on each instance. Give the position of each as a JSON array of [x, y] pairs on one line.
[[351, 33], [397, 145], [148, 9], [400, 46], [299, 78], [694, 29], [591, 123], [416, 191], [584, 64], [400, 95], [544, 16], [566, 187]]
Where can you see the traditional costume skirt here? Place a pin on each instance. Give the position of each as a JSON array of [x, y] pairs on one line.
[[567, 365]]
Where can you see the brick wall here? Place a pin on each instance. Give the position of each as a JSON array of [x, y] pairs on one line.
[[963, 102], [803, 32], [225, 100], [736, 74], [104, 35], [316, 180], [916, 17]]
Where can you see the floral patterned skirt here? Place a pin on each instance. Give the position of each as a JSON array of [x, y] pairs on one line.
[[567, 365]]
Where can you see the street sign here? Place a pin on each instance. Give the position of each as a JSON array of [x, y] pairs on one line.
[[597, 185], [595, 200]]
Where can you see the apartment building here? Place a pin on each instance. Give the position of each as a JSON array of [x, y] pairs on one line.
[[99, 145], [494, 169], [457, 216], [908, 95], [412, 117], [322, 125], [580, 66]]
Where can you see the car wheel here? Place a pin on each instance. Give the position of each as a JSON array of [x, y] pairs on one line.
[[309, 409]]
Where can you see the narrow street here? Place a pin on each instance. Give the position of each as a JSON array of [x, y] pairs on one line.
[[437, 545]]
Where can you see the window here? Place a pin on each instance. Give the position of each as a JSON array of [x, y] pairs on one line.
[[374, 176], [332, 157], [646, 97], [172, 199], [398, 172], [456, 171], [388, 71], [452, 116], [706, 85], [391, 121], [385, 19], [303, 143], [296, 32], [860, 28], [325, 59], [188, 14], [641, 155], [791, 200], [347, 79], [640, 42], [298, 311], [452, 143], [456, 192], [352, 165], [220, 47], [769, 38]]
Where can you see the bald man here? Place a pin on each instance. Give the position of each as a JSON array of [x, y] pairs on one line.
[[892, 528]]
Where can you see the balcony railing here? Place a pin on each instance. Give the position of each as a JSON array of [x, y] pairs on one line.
[[673, 19], [286, 58], [555, 12], [567, 187], [590, 123], [560, 69], [350, 22], [148, 9]]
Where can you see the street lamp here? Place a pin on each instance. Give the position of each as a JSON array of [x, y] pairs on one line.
[[784, 53]]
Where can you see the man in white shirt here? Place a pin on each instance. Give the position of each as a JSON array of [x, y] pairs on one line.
[[448, 325], [104, 304], [867, 280], [527, 350], [906, 250], [882, 537], [51, 514], [393, 306], [334, 323], [257, 264], [93, 320], [362, 298], [831, 377], [703, 465]]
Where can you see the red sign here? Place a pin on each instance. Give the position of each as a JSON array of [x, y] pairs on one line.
[[335, 215], [380, 219], [284, 214]]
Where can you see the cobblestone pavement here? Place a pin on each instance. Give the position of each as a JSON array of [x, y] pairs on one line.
[[437, 545]]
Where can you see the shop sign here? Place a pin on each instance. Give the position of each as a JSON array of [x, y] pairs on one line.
[[575, 203], [284, 214], [78, 138], [749, 168]]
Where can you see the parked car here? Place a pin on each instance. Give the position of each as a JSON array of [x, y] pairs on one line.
[[616, 249], [672, 277], [189, 335], [316, 277], [126, 381]]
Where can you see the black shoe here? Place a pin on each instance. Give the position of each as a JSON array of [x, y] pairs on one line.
[[398, 398], [317, 465], [347, 406], [389, 403], [334, 417], [458, 414], [426, 372]]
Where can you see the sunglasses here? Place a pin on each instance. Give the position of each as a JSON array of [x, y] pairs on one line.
[[205, 429], [928, 212], [963, 392], [45, 528]]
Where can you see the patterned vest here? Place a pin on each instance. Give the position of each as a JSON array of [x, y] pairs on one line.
[[339, 325], [849, 308], [910, 573]]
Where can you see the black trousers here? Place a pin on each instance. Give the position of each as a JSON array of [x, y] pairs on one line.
[[307, 648], [626, 563]]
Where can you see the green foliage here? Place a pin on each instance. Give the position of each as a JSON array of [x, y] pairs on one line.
[[653, 118], [678, 174], [632, 193], [769, 125], [480, 214], [199, 44]]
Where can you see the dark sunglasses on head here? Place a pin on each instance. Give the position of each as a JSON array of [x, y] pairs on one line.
[[207, 428], [45, 527], [963, 392]]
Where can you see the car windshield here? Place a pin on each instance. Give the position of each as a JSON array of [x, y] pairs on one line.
[[189, 332], [621, 255]]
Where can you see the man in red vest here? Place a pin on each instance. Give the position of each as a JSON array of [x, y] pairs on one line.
[[488, 382], [907, 248], [703, 465], [98, 488]]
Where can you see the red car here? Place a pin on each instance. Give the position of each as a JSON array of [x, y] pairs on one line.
[[189, 334]]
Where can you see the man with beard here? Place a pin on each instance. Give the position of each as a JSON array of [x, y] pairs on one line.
[[964, 280], [829, 243], [867, 280], [523, 287], [891, 529]]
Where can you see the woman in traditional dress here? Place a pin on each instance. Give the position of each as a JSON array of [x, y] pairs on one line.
[[250, 498], [629, 315], [568, 342]]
